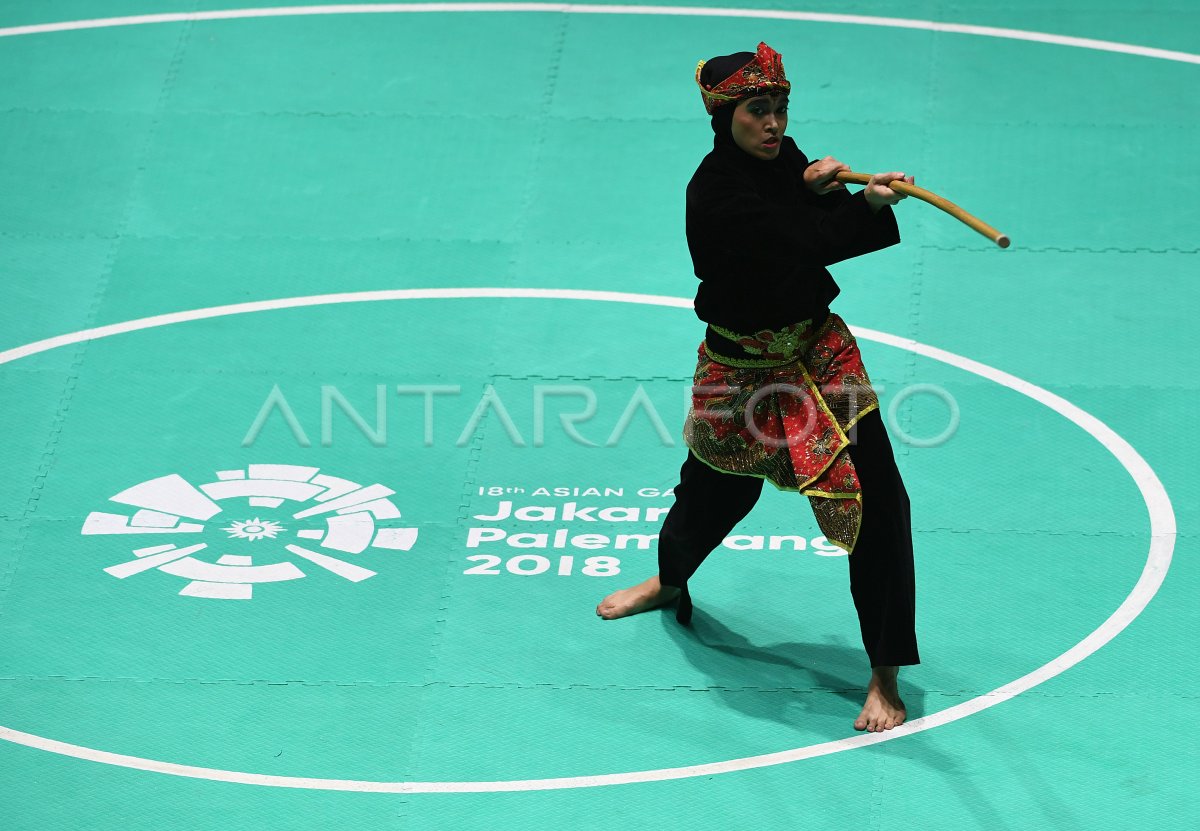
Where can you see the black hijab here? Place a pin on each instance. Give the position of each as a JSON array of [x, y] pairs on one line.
[[781, 178]]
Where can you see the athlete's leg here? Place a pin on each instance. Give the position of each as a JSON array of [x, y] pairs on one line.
[[708, 504], [882, 578]]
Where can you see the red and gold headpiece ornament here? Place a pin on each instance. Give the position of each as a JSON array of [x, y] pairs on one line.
[[762, 75]]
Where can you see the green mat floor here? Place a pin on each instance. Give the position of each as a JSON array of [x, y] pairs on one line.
[[343, 362]]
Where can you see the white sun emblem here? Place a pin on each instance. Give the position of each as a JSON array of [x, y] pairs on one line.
[[357, 518], [254, 529]]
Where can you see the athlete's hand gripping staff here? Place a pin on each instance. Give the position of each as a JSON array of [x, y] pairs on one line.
[[933, 199]]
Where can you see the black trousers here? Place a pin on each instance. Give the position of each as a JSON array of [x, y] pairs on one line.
[[709, 503]]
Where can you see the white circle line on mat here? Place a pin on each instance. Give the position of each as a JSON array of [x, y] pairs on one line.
[[1158, 560], [571, 8]]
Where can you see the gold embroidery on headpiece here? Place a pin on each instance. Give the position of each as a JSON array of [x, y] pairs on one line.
[[763, 74]]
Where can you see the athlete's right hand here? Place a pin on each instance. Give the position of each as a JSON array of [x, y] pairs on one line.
[[879, 194]]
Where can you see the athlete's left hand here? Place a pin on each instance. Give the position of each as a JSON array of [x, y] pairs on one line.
[[818, 176]]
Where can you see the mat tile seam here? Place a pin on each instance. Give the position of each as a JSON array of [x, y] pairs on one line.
[[442, 614], [242, 237], [1182, 126], [918, 265], [542, 122], [1059, 249], [584, 687], [563, 377], [664, 244], [924, 529], [80, 350]]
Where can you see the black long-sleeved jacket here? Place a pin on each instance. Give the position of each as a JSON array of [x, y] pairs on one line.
[[760, 240]]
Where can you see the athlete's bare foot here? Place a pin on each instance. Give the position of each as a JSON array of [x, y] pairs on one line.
[[649, 594], [884, 709]]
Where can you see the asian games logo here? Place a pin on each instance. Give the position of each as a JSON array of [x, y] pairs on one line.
[[245, 520]]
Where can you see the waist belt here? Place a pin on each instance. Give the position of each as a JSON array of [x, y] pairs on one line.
[[764, 348]]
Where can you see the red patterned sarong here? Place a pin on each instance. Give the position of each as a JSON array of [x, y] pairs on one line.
[[781, 410]]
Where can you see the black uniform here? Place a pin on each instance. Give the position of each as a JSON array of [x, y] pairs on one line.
[[760, 242]]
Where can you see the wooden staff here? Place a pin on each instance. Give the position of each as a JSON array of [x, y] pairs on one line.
[[933, 199]]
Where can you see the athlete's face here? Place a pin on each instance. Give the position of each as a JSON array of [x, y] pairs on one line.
[[759, 124]]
